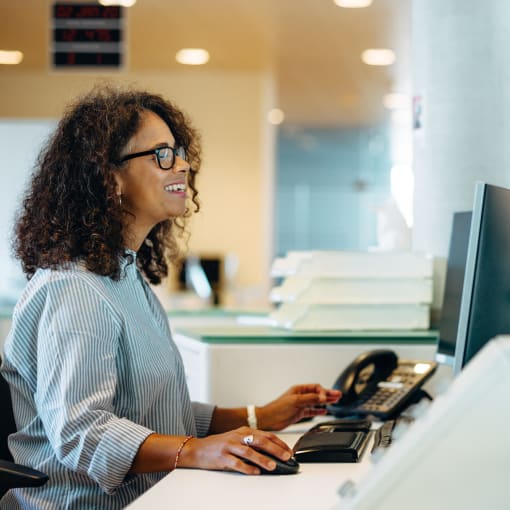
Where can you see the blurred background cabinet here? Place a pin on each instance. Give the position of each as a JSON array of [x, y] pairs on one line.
[[231, 364]]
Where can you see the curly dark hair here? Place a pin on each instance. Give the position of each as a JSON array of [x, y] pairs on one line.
[[70, 210]]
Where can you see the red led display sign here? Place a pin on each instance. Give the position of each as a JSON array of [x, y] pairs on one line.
[[87, 35]]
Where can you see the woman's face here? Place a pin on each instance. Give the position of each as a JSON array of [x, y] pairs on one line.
[[150, 194]]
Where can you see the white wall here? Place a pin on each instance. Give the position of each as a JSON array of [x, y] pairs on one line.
[[20, 141], [461, 73]]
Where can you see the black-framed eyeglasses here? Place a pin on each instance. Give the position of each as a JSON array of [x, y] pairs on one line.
[[165, 155]]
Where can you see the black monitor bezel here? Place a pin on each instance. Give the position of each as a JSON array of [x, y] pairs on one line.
[[483, 314], [452, 291]]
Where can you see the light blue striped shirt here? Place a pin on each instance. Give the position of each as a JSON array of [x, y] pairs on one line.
[[93, 371]]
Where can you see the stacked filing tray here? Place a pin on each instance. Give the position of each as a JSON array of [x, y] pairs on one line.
[[346, 290]]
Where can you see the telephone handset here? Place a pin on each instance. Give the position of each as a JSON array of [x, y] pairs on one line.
[[378, 383]]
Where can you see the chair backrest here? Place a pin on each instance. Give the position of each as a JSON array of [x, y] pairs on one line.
[[7, 423], [12, 475]]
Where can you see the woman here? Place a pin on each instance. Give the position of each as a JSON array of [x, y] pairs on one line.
[[98, 385]]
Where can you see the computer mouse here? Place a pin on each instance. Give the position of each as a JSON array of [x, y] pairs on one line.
[[289, 467]]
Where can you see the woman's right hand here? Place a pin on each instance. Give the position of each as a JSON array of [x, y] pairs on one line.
[[227, 451]]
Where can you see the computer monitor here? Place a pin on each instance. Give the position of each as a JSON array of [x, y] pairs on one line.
[[455, 269], [485, 303], [203, 275]]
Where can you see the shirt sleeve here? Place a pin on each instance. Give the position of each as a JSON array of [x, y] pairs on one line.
[[203, 416], [78, 340]]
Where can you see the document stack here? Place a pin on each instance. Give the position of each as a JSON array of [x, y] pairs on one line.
[[344, 290]]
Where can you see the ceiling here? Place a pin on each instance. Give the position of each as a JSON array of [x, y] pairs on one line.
[[313, 47]]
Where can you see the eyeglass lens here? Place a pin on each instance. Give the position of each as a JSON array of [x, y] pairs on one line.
[[166, 156]]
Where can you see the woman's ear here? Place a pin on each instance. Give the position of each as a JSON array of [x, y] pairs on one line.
[[118, 181], [118, 187]]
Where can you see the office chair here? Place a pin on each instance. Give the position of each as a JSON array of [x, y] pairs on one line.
[[13, 475]]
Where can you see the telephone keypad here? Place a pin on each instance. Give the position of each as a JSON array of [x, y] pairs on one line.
[[390, 392]]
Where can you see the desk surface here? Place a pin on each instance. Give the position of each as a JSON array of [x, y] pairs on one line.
[[315, 487]]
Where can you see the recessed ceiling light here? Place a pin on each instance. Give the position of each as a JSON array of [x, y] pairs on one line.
[[192, 56], [122, 3], [275, 116], [354, 4], [395, 101], [10, 57], [378, 57]]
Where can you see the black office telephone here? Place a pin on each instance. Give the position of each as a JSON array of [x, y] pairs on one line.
[[378, 384]]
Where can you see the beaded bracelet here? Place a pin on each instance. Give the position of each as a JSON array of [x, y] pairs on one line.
[[179, 450]]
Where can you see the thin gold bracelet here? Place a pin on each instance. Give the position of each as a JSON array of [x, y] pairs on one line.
[[179, 450]]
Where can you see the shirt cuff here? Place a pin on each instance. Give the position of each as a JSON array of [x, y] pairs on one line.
[[203, 416], [115, 454]]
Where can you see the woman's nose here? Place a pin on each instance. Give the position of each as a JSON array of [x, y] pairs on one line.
[[180, 165]]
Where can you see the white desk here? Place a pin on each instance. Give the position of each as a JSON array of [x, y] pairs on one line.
[[428, 467], [313, 488]]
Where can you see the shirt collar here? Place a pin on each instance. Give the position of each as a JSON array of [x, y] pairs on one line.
[[128, 259]]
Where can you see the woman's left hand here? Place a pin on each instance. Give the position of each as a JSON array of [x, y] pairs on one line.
[[300, 401]]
